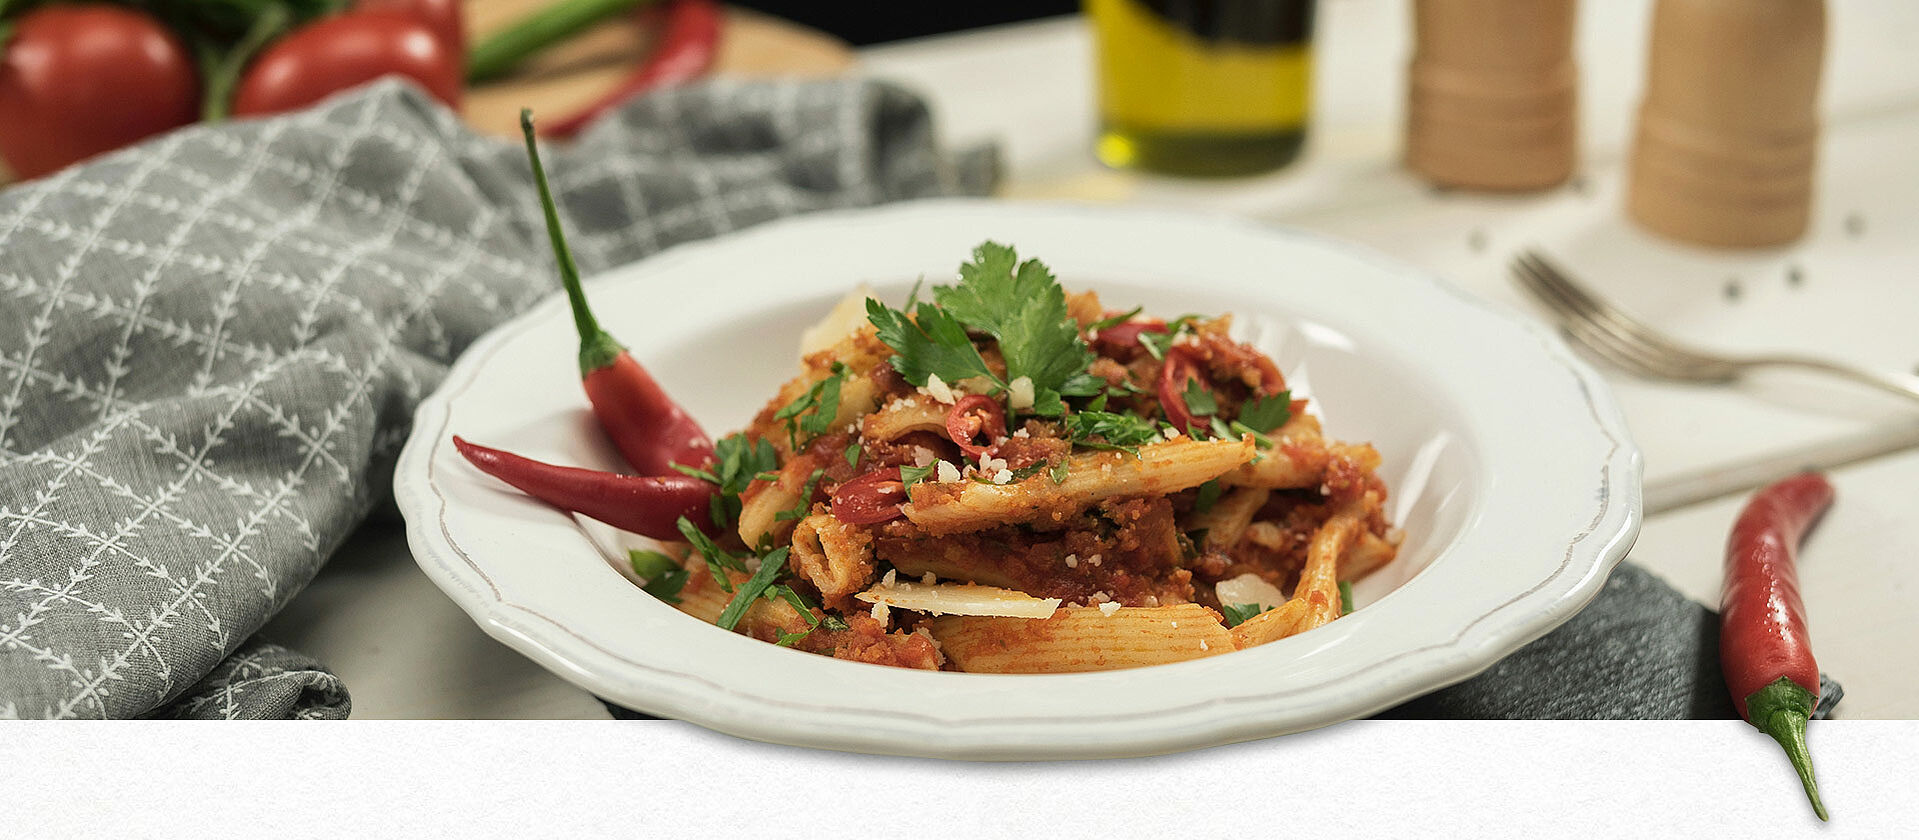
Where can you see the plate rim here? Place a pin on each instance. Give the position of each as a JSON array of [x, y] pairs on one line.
[[1617, 519]]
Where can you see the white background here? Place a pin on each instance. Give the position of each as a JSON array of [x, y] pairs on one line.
[[647, 779]]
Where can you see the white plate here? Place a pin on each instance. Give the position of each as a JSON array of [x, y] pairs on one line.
[[1509, 465]]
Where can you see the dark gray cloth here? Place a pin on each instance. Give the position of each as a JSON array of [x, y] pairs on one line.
[[211, 346], [1639, 651]]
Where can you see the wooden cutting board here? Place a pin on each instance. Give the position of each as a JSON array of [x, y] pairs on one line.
[[574, 74]]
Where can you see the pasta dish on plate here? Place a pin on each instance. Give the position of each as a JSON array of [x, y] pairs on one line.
[[1000, 476], [1009, 478]]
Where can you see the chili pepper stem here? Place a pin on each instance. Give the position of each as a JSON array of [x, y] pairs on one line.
[[1781, 710], [597, 348], [498, 54]]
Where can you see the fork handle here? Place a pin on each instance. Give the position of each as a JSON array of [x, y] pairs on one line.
[[1905, 386]]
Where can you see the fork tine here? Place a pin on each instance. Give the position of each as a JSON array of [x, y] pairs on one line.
[[1618, 321], [1601, 337]]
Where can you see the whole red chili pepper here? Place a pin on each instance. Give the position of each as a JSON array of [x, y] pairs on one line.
[[1763, 644], [646, 425], [972, 416], [647, 505], [688, 42], [878, 496]]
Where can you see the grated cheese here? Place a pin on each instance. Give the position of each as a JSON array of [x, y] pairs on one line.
[[1072, 561], [1109, 607], [1003, 476], [948, 473]]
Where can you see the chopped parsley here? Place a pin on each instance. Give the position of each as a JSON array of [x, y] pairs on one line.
[[770, 567], [1199, 401], [1059, 472], [1345, 597], [1019, 304], [1109, 430], [718, 561], [1208, 495], [929, 344], [834, 622], [1237, 614], [737, 462], [1114, 321], [664, 577], [853, 454], [1156, 343], [820, 404], [1264, 414], [910, 476], [805, 504]]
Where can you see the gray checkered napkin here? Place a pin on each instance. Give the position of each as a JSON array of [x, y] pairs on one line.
[[211, 346]]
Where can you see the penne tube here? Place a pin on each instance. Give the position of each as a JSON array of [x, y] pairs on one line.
[[835, 557], [760, 508], [1091, 478], [915, 413], [1228, 517], [918, 558], [1082, 639], [1369, 552], [1315, 600]]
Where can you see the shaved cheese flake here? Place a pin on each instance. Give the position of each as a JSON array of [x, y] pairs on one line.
[[948, 473], [1019, 393], [959, 599], [847, 317], [1249, 588], [938, 389]]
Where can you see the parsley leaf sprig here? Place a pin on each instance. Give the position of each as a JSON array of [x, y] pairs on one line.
[[737, 462], [1020, 305], [1111, 430]]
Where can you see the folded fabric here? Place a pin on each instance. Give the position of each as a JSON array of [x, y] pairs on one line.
[[211, 346]]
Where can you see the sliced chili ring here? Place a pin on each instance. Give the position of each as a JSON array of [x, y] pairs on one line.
[[870, 499], [1121, 341], [973, 416], [1182, 365]]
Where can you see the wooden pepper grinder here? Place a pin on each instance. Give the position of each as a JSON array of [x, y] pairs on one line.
[[1492, 93], [1729, 129]]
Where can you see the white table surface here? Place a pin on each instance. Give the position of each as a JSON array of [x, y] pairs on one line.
[[406, 651]]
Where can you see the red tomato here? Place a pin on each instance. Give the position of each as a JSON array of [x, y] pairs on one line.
[[973, 416], [80, 80], [1182, 366], [442, 15], [336, 53]]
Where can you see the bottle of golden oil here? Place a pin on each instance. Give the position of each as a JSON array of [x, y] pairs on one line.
[[1202, 87]]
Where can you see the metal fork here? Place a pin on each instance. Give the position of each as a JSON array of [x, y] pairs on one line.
[[1622, 339]]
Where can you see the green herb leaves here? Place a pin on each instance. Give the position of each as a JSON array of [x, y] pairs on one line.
[[813, 411], [1237, 614], [1110, 430], [736, 463], [1264, 414], [930, 343], [1019, 304], [770, 567]]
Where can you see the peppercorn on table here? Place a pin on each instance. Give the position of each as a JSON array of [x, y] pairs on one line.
[[1844, 291]]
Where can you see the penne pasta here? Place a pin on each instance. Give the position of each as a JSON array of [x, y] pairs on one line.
[[989, 479], [1157, 470], [1228, 517], [913, 413], [1082, 639], [835, 557]]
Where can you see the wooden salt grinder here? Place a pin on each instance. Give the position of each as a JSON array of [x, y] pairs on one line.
[[1729, 129], [1492, 93]]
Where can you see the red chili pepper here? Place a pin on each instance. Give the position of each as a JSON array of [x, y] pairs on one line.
[[688, 42], [1121, 341], [1763, 644], [878, 496], [646, 505], [646, 425], [1181, 366], [972, 416]]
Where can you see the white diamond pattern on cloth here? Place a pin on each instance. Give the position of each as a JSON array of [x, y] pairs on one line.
[[211, 345]]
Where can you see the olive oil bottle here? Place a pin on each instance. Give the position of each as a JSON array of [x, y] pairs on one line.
[[1202, 87]]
